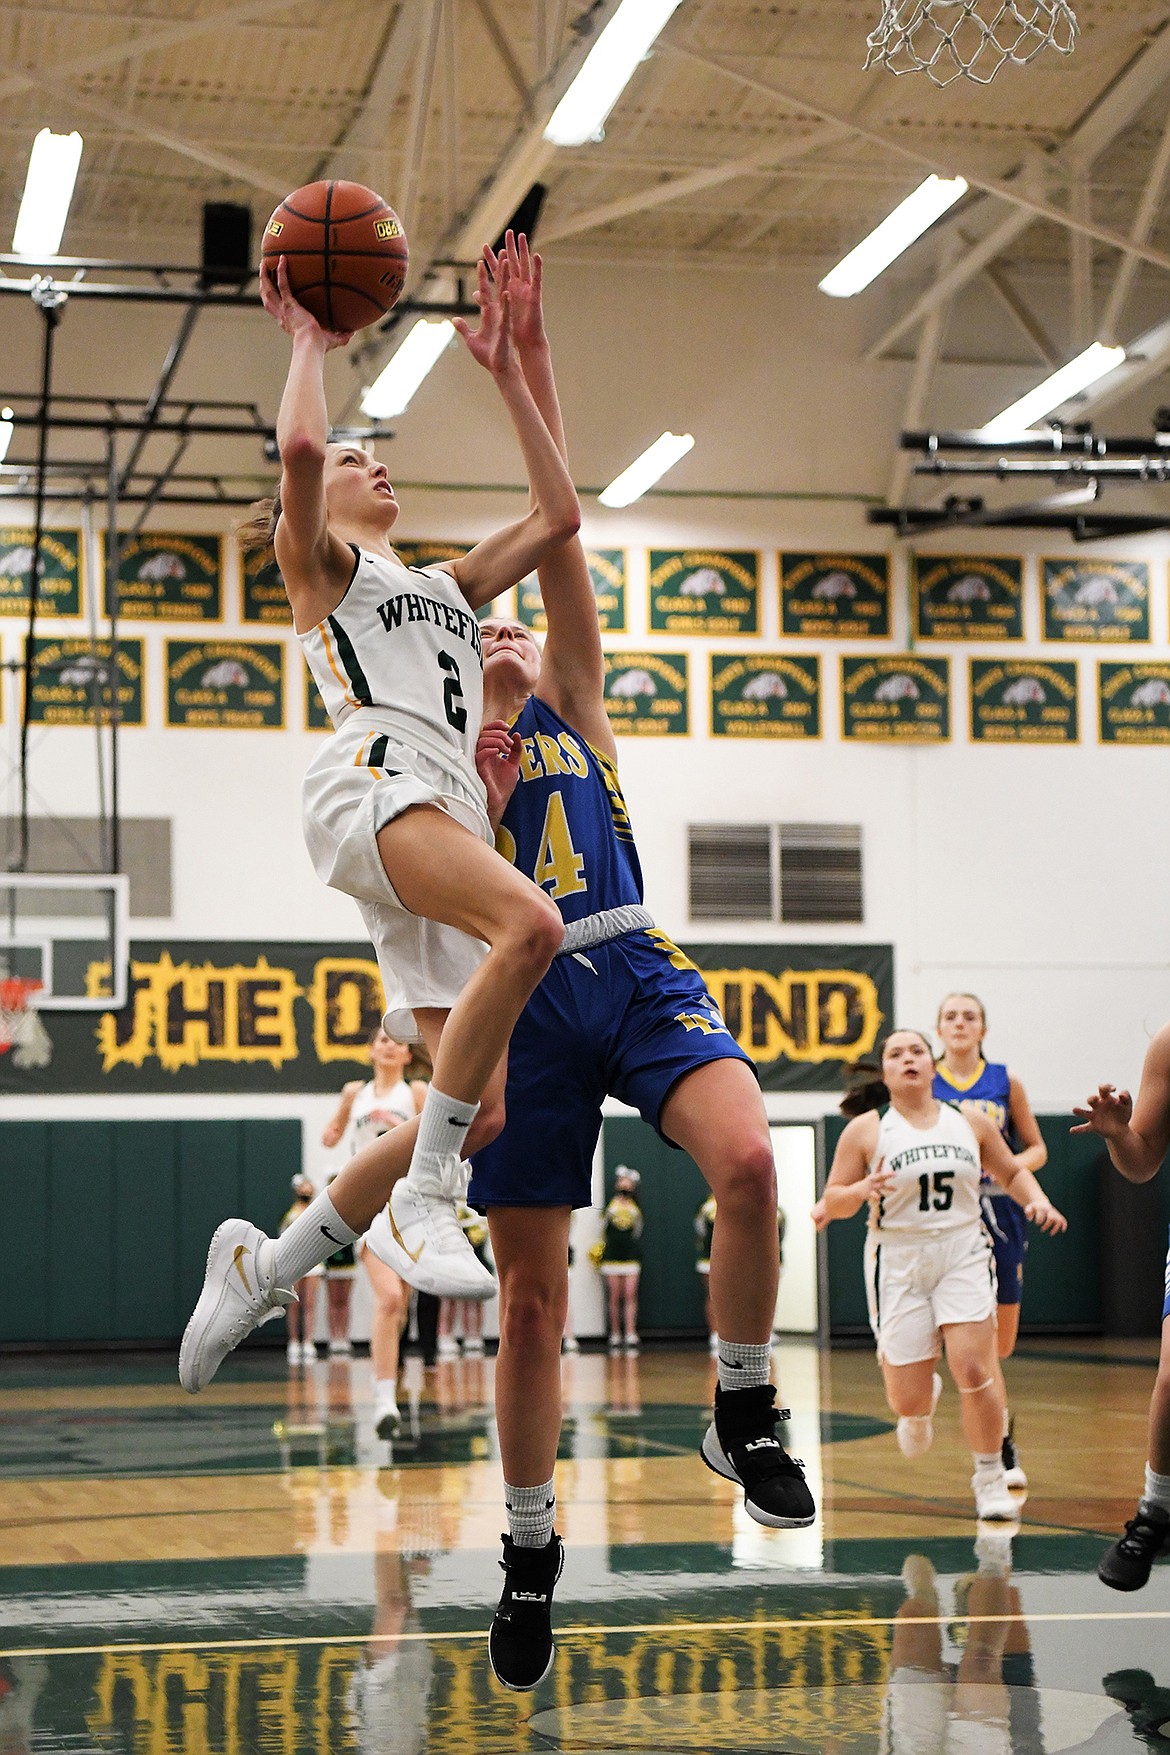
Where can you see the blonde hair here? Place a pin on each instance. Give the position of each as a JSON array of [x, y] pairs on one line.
[[257, 532]]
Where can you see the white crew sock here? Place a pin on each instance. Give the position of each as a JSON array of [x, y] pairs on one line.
[[744, 1364], [385, 1389], [442, 1129], [990, 1464], [318, 1233], [1157, 1491], [531, 1511]]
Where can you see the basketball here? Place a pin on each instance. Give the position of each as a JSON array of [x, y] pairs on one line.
[[345, 250]]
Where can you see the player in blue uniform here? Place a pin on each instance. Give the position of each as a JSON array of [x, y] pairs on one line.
[[962, 1075], [621, 1011]]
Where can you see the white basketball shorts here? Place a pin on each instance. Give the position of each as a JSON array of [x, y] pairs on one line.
[[916, 1285], [345, 802]]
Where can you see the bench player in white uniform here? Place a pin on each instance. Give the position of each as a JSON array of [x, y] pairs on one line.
[[929, 1268], [395, 816], [367, 1110]]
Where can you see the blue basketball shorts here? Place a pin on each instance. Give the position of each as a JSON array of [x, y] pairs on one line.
[[1009, 1240], [617, 1020]]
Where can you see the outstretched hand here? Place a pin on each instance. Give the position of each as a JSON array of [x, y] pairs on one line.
[[490, 344], [497, 761], [1044, 1214], [281, 303], [525, 277], [1108, 1113]]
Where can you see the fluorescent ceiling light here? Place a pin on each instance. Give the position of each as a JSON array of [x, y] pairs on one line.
[[48, 190], [624, 42], [1070, 380], [896, 233], [6, 431], [391, 391], [645, 470]]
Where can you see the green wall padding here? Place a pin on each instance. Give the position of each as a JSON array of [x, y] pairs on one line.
[[116, 1217], [670, 1293]]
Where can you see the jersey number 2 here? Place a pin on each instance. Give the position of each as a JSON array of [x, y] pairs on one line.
[[453, 693], [944, 1194]]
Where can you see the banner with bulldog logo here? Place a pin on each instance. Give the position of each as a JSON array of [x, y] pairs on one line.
[[646, 694], [765, 696], [169, 578], [704, 591], [1023, 700], [61, 568], [895, 699], [834, 596], [968, 597], [1096, 600], [225, 685]]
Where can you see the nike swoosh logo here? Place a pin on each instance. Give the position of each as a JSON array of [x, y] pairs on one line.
[[326, 1232], [730, 1364], [237, 1262], [453, 1121], [549, 1503], [397, 1236]]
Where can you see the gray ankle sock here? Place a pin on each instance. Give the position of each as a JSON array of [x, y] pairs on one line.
[[531, 1511], [744, 1364]]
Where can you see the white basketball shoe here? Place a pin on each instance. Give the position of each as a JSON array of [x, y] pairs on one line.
[[993, 1498], [418, 1235], [239, 1293]]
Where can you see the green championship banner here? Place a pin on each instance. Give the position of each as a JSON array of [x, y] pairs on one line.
[[647, 694], [316, 718], [1095, 600], [69, 675], [758, 696], [1133, 702], [60, 572], [229, 685], [968, 597], [899, 698], [284, 1017], [845, 597], [165, 578], [607, 571], [262, 594], [1023, 700], [429, 554], [704, 591]]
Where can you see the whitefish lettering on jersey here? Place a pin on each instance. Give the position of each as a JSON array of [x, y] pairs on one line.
[[408, 607]]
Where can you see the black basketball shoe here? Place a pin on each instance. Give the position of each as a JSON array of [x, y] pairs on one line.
[[741, 1445], [1127, 1564], [520, 1640], [1013, 1468]]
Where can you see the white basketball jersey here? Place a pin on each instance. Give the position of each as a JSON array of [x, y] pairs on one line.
[[936, 1173], [364, 1127], [403, 640]]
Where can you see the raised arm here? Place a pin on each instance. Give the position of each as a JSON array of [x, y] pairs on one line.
[[339, 1120], [572, 673], [314, 564], [851, 1182], [500, 560], [1012, 1175], [1136, 1136]]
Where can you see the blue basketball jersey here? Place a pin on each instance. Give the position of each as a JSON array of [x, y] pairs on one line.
[[566, 825], [989, 1090]]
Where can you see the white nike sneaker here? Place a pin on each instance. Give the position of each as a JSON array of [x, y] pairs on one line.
[[238, 1294], [418, 1235], [915, 1432], [993, 1500]]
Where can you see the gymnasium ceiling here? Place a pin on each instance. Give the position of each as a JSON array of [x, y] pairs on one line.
[[750, 138]]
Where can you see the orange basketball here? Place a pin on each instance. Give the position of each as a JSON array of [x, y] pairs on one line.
[[345, 250]]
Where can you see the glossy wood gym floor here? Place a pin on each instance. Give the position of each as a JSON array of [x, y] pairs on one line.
[[254, 1573]]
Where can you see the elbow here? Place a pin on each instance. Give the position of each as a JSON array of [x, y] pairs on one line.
[[565, 525], [300, 451]]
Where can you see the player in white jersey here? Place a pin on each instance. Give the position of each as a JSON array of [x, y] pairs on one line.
[[367, 1110], [930, 1272], [395, 817]]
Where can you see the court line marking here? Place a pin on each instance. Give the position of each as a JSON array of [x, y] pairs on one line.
[[421, 1637]]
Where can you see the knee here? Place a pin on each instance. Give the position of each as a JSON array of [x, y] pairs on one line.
[[536, 934], [747, 1176], [391, 1305], [971, 1373], [487, 1126], [532, 1317]]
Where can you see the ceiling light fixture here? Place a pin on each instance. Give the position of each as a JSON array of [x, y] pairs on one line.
[[390, 393], [48, 190], [607, 70], [895, 234], [645, 470], [1070, 380]]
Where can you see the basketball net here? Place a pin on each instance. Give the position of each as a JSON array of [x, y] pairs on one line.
[[21, 1032], [967, 39]]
